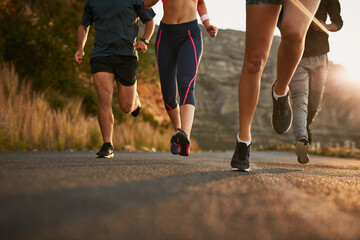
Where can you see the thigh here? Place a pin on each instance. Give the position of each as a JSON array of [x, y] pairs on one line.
[[166, 55], [104, 85], [261, 20], [188, 60], [298, 14], [318, 73]]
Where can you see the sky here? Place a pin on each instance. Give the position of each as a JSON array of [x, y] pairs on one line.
[[344, 44]]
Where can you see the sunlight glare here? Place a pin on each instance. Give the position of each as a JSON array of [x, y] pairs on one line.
[[302, 8], [353, 71]]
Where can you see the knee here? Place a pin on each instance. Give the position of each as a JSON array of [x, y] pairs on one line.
[[169, 99], [104, 98], [170, 103], [292, 36], [185, 87], [126, 107], [255, 64]]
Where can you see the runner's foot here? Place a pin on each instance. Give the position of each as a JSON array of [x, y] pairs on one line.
[[182, 141], [281, 118], [106, 151], [136, 112], [240, 159], [174, 148], [302, 149]]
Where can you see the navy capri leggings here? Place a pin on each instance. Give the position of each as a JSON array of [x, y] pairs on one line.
[[178, 53]]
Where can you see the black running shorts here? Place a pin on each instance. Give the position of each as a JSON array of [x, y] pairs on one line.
[[123, 67]]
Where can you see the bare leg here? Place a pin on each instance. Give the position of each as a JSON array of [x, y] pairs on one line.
[[294, 26], [127, 97], [175, 118], [184, 118], [104, 85], [259, 35], [187, 117]]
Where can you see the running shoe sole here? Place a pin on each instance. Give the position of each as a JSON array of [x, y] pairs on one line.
[[184, 143], [105, 156], [175, 148], [240, 169], [302, 151]]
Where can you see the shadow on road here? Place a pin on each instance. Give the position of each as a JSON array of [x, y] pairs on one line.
[[27, 212]]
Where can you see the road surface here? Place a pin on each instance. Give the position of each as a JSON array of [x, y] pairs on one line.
[[63, 195]]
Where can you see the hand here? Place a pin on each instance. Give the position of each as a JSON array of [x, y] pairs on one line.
[[140, 46], [78, 56], [316, 27], [212, 30]]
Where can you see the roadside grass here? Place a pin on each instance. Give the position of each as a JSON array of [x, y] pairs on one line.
[[27, 122]]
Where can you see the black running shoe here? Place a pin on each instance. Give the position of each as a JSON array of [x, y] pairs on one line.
[[240, 159], [281, 118], [106, 151], [302, 149], [182, 141], [136, 112]]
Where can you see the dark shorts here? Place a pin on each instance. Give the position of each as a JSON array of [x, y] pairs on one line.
[[123, 67], [249, 2]]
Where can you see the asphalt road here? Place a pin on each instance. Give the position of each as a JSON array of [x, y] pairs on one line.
[[56, 195]]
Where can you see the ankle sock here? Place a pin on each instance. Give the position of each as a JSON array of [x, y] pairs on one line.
[[239, 140], [277, 96]]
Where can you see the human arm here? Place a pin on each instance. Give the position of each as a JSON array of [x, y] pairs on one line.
[[332, 27], [150, 3], [148, 32], [201, 8], [335, 17], [333, 10], [82, 34]]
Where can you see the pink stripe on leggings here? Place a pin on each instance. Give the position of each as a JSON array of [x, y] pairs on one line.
[[192, 41]]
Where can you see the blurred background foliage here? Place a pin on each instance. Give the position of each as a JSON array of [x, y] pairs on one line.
[[38, 37], [37, 45]]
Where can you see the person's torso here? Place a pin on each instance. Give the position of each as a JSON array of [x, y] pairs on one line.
[[179, 11], [115, 25]]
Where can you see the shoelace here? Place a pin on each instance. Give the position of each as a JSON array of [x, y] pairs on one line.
[[244, 153]]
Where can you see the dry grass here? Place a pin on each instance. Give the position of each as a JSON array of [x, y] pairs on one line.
[[27, 122]]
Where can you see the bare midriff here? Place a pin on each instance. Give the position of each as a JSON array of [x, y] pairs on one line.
[[172, 14]]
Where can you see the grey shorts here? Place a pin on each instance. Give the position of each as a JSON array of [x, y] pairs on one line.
[[250, 2]]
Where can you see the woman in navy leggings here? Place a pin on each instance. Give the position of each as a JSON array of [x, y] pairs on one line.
[[178, 52]]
